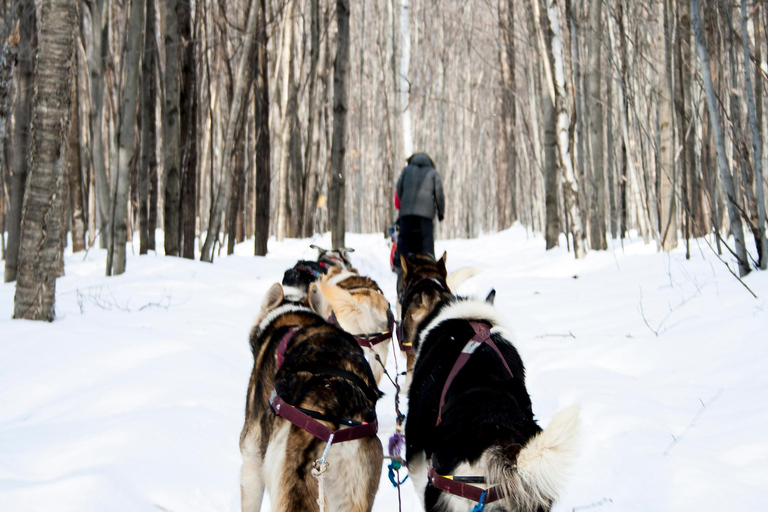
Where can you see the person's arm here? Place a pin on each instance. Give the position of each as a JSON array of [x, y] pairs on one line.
[[439, 197], [397, 201], [399, 189]]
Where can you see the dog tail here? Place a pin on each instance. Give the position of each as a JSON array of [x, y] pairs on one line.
[[342, 301], [533, 476], [459, 276]]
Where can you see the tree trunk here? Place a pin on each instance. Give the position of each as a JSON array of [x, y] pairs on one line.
[[283, 207], [261, 116], [74, 172], [336, 198], [40, 247], [668, 174], [549, 116], [9, 51], [571, 188], [172, 129], [757, 141], [187, 133], [20, 163], [404, 83], [717, 130], [126, 138], [310, 171], [595, 101], [224, 159], [148, 165]]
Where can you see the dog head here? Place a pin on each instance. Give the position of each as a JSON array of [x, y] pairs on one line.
[[421, 286], [338, 257]]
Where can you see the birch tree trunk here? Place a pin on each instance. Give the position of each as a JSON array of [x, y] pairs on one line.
[[404, 82], [717, 130], [261, 116], [668, 178], [96, 68], [571, 188], [126, 137], [40, 248], [224, 158], [757, 141], [549, 116], [172, 130], [21, 138], [336, 200], [595, 106]]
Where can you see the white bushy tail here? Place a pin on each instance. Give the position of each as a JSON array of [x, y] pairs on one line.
[[537, 475], [456, 278]]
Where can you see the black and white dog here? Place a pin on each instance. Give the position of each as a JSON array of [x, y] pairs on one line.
[[470, 419], [296, 280]]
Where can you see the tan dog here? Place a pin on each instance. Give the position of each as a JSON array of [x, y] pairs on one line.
[[305, 366], [357, 305]]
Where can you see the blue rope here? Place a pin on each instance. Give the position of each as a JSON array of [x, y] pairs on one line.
[[480, 505], [395, 466]]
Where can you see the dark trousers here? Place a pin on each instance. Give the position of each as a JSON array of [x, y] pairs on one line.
[[416, 236]]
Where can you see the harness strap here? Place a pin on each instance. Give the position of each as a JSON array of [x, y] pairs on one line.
[[369, 340], [404, 347], [283, 346], [461, 489], [482, 335], [317, 429]]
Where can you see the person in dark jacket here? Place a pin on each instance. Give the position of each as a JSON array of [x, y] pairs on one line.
[[418, 196]]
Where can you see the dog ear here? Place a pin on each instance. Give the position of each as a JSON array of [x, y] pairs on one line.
[[491, 296], [404, 266], [272, 299], [441, 264], [349, 249], [317, 302], [320, 250]]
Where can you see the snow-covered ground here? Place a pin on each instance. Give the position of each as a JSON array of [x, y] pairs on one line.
[[133, 399]]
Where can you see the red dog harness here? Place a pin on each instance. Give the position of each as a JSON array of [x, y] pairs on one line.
[[482, 335], [369, 340], [306, 422], [452, 485]]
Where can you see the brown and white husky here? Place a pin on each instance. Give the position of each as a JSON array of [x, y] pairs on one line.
[[302, 362], [357, 305]]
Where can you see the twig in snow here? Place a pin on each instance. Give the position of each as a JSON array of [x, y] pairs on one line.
[[159, 304], [592, 505], [677, 439], [666, 317], [569, 335]]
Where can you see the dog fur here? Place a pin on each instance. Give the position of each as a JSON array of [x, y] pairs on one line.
[[277, 456], [306, 272], [360, 308], [487, 426]]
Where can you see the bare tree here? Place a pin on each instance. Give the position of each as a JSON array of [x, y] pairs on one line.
[[40, 248], [187, 131], [126, 138], [261, 117], [172, 129], [668, 174], [595, 102], [26, 70], [717, 131], [336, 179], [224, 160], [148, 165]]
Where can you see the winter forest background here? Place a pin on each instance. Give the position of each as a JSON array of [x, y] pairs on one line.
[[221, 121]]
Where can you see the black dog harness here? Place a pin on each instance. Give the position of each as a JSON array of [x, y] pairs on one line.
[[369, 340], [308, 420]]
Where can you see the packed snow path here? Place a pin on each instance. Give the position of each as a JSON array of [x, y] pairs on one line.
[[133, 399]]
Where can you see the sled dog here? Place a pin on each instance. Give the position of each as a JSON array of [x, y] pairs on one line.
[[305, 272], [356, 304], [470, 430], [428, 283], [310, 373]]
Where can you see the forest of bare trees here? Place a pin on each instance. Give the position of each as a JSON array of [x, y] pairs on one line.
[[215, 121]]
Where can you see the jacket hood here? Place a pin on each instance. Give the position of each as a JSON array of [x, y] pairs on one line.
[[421, 160]]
